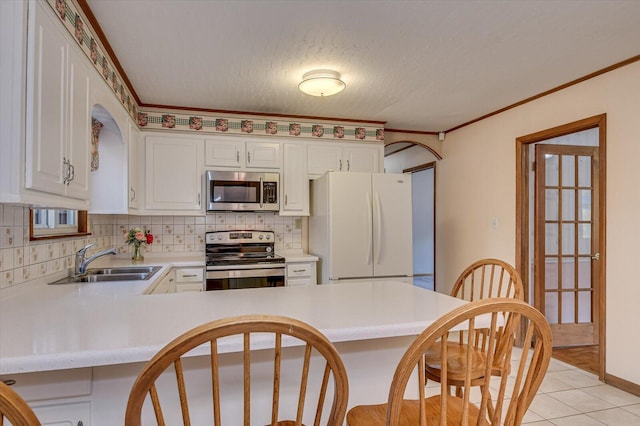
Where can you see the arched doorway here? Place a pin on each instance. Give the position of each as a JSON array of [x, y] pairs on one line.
[[420, 161]]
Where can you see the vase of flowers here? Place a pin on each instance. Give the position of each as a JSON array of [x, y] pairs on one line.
[[138, 238]]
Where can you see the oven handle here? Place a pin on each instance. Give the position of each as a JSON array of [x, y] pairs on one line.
[[251, 266], [261, 192], [246, 273]]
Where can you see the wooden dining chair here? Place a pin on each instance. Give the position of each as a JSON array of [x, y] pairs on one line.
[[515, 392], [14, 409], [483, 279], [320, 376]]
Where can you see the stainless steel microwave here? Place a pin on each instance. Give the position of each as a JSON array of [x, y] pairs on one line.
[[242, 191]]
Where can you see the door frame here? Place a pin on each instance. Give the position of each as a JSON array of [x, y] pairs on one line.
[[522, 210], [419, 168]]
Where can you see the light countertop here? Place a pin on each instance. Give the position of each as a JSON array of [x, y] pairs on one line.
[[53, 327]]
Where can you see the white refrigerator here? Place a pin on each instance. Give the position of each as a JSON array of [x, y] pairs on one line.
[[361, 225]]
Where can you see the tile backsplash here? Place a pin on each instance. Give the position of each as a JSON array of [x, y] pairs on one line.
[[177, 234], [22, 260]]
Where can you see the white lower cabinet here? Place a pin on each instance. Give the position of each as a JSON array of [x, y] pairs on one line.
[[167, 284], [59, 397], [66, 414], [173, 175], [179, 280], [301, 273], [189, 279]]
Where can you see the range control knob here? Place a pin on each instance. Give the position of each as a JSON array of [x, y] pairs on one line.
[[219, 236], [268, 236]]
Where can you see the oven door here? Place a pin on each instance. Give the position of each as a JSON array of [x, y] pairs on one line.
[[244, 278]]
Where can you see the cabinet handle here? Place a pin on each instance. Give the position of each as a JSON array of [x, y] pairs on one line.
[[72, 172], [237, 156], [248, 158], [348, 166], [286, 200], [9, 382], [198, 198], [67, 171], [298, 270], [190, 276], [133, 193], [340, 162]]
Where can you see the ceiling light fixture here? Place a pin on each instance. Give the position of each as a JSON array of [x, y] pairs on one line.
[[321, 83]]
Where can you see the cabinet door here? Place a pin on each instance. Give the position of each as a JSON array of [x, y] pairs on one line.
[[224, 152], [46, 91], [79, 126], [361, 159], [133, 166], [72, 414], [323, 158], [295, 183], [167, 284], [173, 173], [263, 155]]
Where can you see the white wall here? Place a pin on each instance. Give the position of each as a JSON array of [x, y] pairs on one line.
[[476, 187]]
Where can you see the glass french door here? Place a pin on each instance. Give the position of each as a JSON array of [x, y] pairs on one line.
[[566, 242]]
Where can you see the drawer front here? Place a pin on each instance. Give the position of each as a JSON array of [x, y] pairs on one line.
[[299, 270], [186, 275], [51, 384], [180, 288], [300, 281]]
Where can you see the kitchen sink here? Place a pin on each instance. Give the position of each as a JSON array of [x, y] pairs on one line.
[[125, 273], [124, 270]]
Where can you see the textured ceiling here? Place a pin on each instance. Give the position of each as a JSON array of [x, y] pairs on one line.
[[416, 65]]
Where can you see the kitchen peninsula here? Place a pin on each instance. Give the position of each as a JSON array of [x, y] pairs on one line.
[[100, 334]]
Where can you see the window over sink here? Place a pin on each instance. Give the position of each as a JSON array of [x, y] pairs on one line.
[[57, 223]]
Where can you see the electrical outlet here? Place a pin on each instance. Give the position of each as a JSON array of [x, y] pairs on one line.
[[298, 223]]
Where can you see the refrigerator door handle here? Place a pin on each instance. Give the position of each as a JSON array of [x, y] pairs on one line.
[[369, 227], [378, 234]]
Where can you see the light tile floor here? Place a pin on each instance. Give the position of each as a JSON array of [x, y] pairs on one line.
[[573, 397]]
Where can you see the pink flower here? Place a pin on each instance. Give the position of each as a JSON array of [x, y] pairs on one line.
[[140, 236]]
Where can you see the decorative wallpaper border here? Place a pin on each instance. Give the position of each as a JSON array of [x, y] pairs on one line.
[[70, 16], [196, 122]]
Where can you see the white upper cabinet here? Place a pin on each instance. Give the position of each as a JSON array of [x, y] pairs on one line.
[[241, 153], [358, 158], [344, 157], [58, 111], [294, 198], [134, 192], [174, 174]]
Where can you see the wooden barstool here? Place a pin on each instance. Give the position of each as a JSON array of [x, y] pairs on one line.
[[15, 409], [445, 409], [332, 375]]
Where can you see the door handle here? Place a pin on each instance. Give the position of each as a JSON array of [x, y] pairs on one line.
[[596, 256]]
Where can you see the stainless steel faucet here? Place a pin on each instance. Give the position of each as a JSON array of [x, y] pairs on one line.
[[80, 266]]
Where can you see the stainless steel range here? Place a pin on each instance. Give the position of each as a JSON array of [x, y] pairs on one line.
[[242, 259]]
